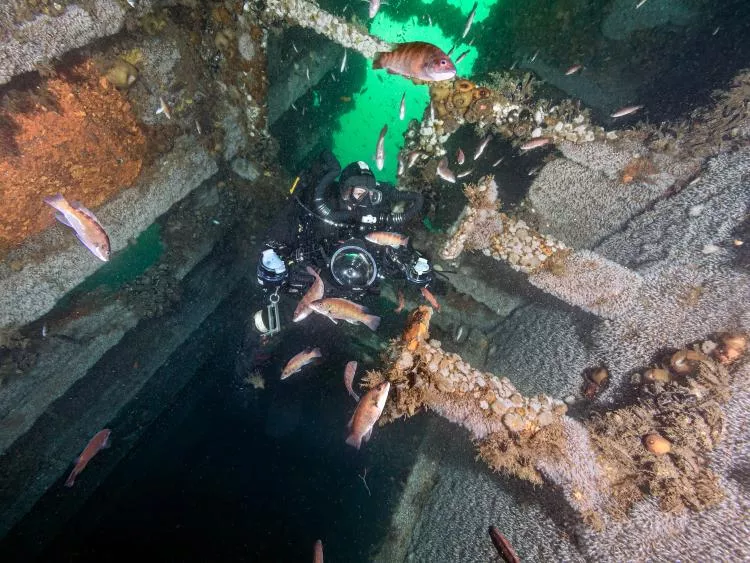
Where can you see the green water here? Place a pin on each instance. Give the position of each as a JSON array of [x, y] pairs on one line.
[[378, 104]]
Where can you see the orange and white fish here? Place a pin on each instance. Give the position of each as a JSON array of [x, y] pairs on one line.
[[573, 70], [417, 59], [385, 238], [401, 302], [622, 112], [300, 360], [367, 413], [87, 227], [460, 157], [316, 291], [430, 298], [374, 7], [482, 146], [535, 143], [97, 443], [503, 546], [318, 552], [336, 308], [349, 371]]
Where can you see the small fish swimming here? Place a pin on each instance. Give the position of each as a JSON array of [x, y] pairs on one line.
[[432, 111], [503, 546], [87, 227], [420, 60], [343, 63], [402, 107], [333, 77], [498, 161], [536, 54], [464, 173], [198, 127], [535, 143], [401, 165], [95, 445], [461, 56], [427, 294], [401, 302], [413, 156], [482, 146], [639, 4], [294, 107], [307, 73], [318, 552], [573, 70], [349, 371], [295, 47], [622, 112], [380, 148], [164, 108], [300, 360], [460, 156], [316, 291], [367, 413], [44, 330], [386, 238], [444, 172], [374, 7], [470, 20], [336, 308]]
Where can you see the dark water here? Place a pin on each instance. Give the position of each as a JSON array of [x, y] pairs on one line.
[[234, 473]]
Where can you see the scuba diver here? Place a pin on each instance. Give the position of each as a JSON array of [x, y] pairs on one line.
[[324, 225]]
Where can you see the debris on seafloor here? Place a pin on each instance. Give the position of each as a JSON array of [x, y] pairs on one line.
[[657, 446]]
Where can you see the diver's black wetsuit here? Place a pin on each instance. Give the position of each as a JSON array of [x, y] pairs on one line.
[[318, 225]]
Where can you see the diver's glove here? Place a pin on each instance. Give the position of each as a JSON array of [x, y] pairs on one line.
[[271, 271]]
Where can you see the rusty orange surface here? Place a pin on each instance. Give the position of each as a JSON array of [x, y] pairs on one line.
[[88, 148]]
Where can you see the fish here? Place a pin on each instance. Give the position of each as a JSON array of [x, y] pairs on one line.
[[374, 7], [300, 360], [336, 308], [401, 165], [316, 291], [639, 4], [44, 330], [427, 294], [536, 54], [333, 77], [535, 143], [95, 445], [482, 146], [349, 371], [461, 56], [295, 47], [343, 63], [498, 161], [87, 227], [432, 111], [294, 107], [402, 107], [132, 3], [198, 127], [460, 157], [307, 73], [444, 172], [345, 99], [318, 552], [413, 156], [417, 59], [401, 302], [469, 20], [622, 112], [164, 108], [464, 173], [716, 30], [380, 148], [573, 70], [453, 48], [366, 414], [386, 238], [503, 546]]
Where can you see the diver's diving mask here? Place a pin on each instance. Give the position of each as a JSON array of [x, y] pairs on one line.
[[361, 196]]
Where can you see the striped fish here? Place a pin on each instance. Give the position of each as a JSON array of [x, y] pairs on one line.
[[417, 59]]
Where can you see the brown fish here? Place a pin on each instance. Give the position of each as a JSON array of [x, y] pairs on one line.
[[420, 60], [385, 238], [318, 552], [503, 546], [87, 227], [460, 157], [444, 172], [97, 443], [401, 302], [622, 112], [336, 308], [535, 143], [349, 371], [316, 291], [573, 70], [299, 361], [430, 298], [367, 413]]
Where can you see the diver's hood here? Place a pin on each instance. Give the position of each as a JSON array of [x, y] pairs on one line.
[[358, 186]]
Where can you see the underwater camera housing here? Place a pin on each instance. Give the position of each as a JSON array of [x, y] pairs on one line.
[[353, 266]]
